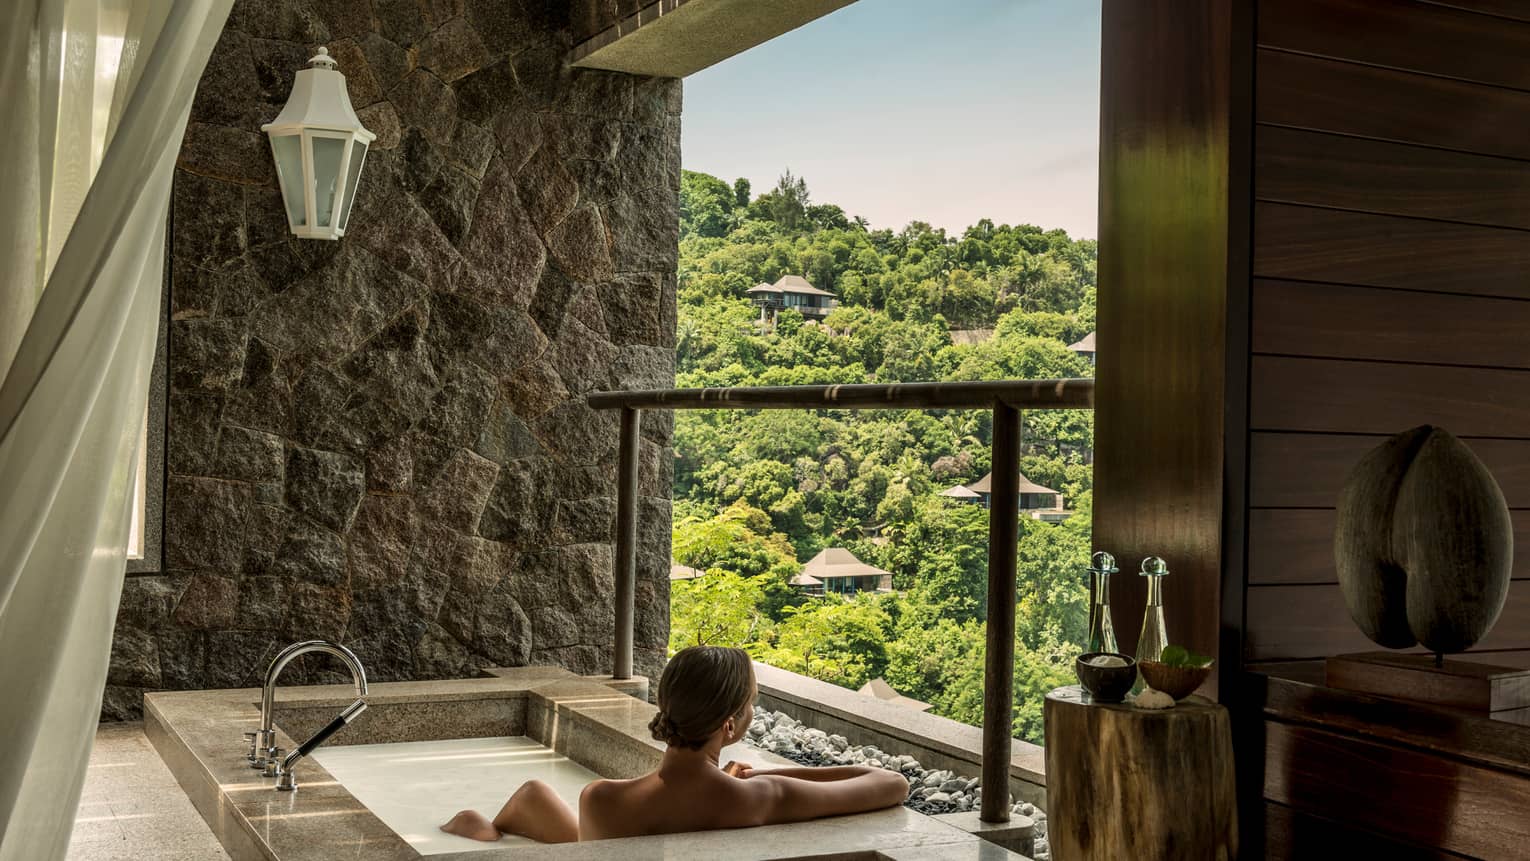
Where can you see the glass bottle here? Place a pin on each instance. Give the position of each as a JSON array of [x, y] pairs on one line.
[[1102, 635], [1154, 637]]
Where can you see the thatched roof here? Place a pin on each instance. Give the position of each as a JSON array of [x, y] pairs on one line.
[[880, 689], [960, 492], [763, 288], [1083, 345], [834, 562], [985, 485], [683, 572], [804, 579]]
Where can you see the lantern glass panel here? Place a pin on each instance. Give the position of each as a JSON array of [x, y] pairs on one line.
[[288, 150], [327, 154], [353, 173]]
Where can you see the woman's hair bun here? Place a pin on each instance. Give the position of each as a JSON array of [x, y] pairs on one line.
[[662, 728]]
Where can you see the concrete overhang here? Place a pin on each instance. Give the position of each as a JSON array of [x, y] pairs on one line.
[[673, 38]]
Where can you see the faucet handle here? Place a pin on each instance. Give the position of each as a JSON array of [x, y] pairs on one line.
[[254, 753], [273, 764]]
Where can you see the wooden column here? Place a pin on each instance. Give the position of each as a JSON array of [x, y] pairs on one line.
[[1171, 415], [999, 652], [626, 541]]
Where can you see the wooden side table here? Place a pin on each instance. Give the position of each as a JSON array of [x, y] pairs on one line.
[[1124, 782]]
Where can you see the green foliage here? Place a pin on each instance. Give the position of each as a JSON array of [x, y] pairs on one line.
[[757, 493], [1179, 656], [718, 609]]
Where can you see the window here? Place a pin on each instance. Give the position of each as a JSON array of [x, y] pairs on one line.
[[146, 529]]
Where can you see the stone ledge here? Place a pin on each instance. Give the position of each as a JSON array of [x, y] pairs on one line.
[[935, 741], [1016, 835], [674, 38]]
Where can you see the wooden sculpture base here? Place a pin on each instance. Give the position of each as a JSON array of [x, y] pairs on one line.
[[1456, 683], [1124, 782]]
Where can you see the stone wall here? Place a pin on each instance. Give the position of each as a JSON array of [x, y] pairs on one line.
[[384, 440]]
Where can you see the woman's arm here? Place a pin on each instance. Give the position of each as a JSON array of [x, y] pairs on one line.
[[828, 772], [797, 794]]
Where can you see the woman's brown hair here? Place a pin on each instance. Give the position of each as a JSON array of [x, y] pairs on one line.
[[701, 687]]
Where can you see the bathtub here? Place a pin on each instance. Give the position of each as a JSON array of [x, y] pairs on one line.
[[424, 750]]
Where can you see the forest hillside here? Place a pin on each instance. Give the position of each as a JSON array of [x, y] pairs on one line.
[[757, 494]]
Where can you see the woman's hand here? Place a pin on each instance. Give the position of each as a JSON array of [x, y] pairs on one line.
[[741, 770]]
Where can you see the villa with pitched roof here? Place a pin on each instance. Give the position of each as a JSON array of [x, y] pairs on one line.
[[835, 570], [1036, 501], [792, 291]]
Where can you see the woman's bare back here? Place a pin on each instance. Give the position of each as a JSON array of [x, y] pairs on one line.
[[668, 801]]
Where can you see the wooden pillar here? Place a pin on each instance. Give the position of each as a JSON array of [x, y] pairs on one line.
[[999, 652], [626, 541], [1172, 361]]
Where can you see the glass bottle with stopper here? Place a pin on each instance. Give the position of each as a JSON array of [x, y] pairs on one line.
[[1102, 635], [1154, 637]]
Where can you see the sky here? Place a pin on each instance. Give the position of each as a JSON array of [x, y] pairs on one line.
[[897, 110]]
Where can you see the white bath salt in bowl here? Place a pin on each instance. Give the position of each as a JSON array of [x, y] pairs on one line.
[[1105, 661], [1151, 699]]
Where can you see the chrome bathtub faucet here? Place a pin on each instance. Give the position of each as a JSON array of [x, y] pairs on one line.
[[263, 753]]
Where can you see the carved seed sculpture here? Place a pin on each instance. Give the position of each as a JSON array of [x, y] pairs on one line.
[[1423, 544]]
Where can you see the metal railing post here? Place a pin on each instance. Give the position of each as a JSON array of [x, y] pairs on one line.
[[626, 541], [999, 653]]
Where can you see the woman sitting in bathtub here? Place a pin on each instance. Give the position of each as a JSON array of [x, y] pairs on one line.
[[706, 699]]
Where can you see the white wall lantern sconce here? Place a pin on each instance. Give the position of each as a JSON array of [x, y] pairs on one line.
[[319, 145]]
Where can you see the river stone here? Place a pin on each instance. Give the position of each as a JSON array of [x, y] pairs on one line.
[[1423, 543]]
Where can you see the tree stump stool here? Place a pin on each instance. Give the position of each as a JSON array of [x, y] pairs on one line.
[[1124, 782]]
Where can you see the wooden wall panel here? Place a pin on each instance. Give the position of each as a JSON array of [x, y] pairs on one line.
[[1407, 795], [1309, 621], [1298, 470], [1315, 93], [1512, 10], [1337, 321], [1371, 397], [1295, 545], [1291, 835], [1391, 269], [1386, 33], [1319, 169], [1314, 244]]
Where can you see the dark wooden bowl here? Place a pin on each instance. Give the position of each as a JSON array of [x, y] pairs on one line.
[[1177, 682], [1106, 684]]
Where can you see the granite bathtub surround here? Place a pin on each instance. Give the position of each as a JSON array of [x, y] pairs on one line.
[[931, 791], [197, 733], [384, 440]]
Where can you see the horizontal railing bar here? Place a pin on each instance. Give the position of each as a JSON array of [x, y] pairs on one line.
[[1072, 394]]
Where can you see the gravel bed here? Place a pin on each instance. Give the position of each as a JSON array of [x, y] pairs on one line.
[[930, 792]]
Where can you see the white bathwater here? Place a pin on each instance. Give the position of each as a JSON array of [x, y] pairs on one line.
[[413, 787]]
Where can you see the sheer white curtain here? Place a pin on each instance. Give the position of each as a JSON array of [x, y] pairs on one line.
[[94, 96]]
